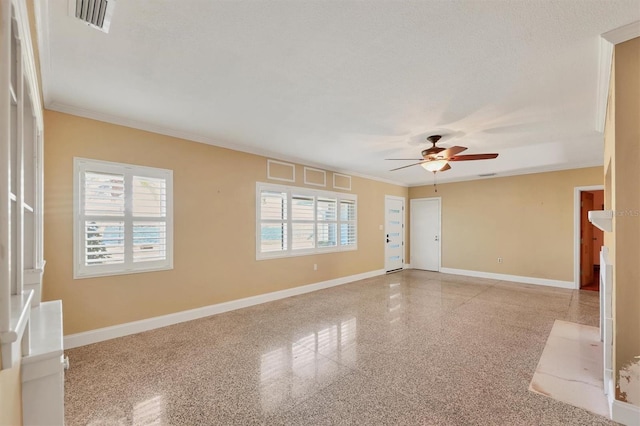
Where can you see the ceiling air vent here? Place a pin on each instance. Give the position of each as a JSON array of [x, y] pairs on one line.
[[487, 175], [95, 13]]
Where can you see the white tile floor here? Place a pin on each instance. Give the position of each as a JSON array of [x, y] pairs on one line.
[[570, 368], [411, 348]]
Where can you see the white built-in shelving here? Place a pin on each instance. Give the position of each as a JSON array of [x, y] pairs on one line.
[[30, 331]]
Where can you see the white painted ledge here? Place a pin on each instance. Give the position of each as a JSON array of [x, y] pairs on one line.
[[601, 219], [513, 278], [106, 333], [11, 340]]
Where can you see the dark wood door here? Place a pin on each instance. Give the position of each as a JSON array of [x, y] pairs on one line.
[[586, 240]]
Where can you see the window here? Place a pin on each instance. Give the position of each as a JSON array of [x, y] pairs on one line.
[[295, 221], [123, 218]]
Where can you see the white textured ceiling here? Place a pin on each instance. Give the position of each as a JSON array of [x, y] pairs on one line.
[[346, 84]]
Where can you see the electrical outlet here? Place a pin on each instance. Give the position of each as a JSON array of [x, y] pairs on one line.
[[499, 260], [315, 266]]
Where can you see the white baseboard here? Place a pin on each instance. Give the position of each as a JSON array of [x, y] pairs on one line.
[[106, 333], [625, 413], [514, 278], [407, 266]]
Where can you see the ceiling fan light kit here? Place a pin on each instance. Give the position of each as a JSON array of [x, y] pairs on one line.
[[434, 165]]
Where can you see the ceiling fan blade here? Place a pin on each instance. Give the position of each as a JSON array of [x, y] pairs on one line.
[[404, 167], [449, 152], [473, 157], [445, 168], [407, 159]]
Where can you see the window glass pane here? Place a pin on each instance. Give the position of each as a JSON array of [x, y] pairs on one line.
[[302, 236], [347, 234], [327, 209], [347, 210], [104, 243], [149, 196], [273, 237], [149, 241], [327, 234], [273, 205], [103, 194], [301, 207]]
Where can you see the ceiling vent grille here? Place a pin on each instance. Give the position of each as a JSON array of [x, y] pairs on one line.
[[95, 13]]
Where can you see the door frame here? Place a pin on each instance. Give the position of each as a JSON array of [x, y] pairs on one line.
[[439, 199], [404, 229], [576, 229]]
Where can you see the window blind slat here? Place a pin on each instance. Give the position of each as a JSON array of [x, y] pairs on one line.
[[149, 196], [103, 243], [103, 194]]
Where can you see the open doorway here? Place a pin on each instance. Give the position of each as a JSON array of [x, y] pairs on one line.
[[591, 240]]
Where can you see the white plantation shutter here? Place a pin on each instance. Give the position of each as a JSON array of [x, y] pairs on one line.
[[123, 218], [103, 227], [348, 223], [293, 221], [327, 222], [273, 228], [302, 222], [149, 205]]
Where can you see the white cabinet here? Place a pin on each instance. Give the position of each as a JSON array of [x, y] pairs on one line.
[[43, 368]]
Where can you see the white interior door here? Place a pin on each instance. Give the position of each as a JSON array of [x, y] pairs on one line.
[[394, 233], [425, 234]]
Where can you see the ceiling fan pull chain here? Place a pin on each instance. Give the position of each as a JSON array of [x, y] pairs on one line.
[[435, 181]]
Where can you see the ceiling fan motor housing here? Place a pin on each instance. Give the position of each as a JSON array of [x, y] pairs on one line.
[[432, 151]]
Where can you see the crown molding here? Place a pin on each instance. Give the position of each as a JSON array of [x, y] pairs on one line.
[[622, 34], [41, 12], [139, 125], [531, 171]]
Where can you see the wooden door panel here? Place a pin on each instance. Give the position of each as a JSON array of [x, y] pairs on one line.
[[586, 240]]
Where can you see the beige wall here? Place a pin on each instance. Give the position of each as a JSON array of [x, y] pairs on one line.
[[527, 220], [10, 397], [625, 153], [214, 227]]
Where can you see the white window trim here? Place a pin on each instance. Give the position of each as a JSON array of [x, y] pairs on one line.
[[82, 271], [262, 186]]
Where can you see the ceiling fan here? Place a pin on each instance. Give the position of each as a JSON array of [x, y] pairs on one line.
[[436, 159]]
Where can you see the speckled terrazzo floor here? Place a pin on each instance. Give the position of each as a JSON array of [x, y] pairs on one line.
[[408, 348]]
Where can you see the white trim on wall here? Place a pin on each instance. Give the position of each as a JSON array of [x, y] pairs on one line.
[[576, 230], [120, 330], [505, 277], [341, 187], [311, 169], [623, 33], [625, 413], [604, 76], [282, 163], [607, 42]]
